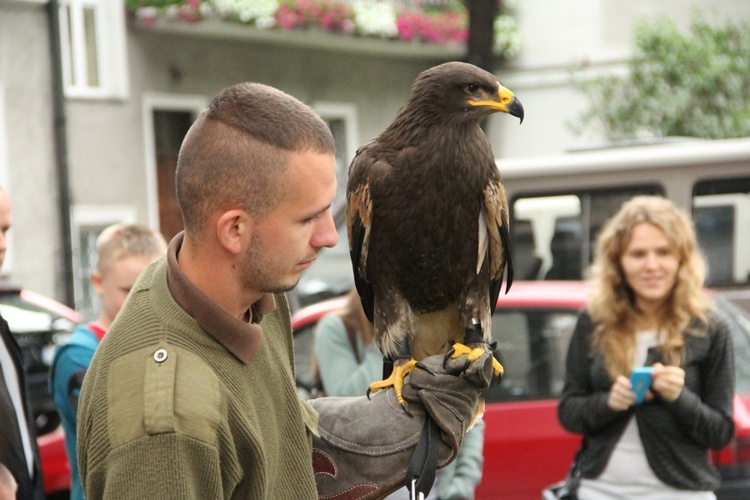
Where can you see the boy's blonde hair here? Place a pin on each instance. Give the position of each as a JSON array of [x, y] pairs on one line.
[[120, 241]]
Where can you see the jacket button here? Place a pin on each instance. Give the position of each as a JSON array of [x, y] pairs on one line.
[[161, 356]]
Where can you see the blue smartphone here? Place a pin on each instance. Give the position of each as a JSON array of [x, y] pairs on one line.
[[641, 380]]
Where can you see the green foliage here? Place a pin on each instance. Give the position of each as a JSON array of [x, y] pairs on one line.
[[134, 4], [694, 85]]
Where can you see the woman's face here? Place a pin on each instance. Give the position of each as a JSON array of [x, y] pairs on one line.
[[650, 265]]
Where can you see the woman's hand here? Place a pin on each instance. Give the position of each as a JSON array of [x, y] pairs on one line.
[[621, 396], [668, 381]]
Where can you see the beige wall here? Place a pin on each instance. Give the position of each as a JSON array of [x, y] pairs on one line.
[[29, 156]]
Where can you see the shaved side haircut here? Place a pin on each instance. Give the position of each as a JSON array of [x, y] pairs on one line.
[[237, 152]]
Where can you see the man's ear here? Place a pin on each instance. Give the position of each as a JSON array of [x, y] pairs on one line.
[[96, 282], [232, 227]]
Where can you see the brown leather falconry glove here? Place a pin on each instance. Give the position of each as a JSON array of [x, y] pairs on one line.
[[365, 446]]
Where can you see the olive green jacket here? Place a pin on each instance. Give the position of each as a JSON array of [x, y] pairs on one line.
[[166, 411]]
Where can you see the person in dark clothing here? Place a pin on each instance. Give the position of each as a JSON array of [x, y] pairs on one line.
[[648, 308], [18, 448]]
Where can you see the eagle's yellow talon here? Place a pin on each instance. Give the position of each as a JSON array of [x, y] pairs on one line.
[[474, 354], [497, 367], [396, 380], [471, 353]]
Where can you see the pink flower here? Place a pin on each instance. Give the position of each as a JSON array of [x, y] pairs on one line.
[[287, 19], [433, 27], [426, 23]]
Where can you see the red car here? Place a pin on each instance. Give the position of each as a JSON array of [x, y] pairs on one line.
[[525, 448], [38, 324]]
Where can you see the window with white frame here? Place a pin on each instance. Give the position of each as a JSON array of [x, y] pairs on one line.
[[331, 273], [87, 223], [166, 120], [92, 45], [342, 120]]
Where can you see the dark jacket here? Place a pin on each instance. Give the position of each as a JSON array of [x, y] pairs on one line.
[[676, 436], [11, 447]]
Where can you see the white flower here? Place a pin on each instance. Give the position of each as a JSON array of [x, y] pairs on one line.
[[261, 12], [375, 18], [173, 12], [510, 5], [206, 9], [266, 22], [507, 36], [146, 13]]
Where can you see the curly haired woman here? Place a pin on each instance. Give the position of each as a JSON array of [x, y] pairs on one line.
[[647, 308]]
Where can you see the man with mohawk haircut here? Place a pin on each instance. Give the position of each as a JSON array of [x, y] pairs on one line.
[[191, 393]]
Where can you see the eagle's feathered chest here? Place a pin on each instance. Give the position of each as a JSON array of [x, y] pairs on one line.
[[440, 180], [425, 212]]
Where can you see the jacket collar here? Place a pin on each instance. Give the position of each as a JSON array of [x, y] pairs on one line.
[[241, 338]]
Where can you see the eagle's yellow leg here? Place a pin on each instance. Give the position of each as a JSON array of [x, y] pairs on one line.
[[396, 380], [474, 354]]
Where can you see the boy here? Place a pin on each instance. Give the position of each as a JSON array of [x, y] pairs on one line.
[[124, 251]]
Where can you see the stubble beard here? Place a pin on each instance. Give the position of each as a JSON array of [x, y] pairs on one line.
[[258, 274]]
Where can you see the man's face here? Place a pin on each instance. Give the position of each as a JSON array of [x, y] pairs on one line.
[[285, 242], [4, 224]]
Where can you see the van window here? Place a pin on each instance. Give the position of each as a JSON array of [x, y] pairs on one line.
[[721, 213], [554, 235]]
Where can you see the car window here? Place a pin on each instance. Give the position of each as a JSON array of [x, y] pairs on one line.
[[304, 359], [553, 234], [721, 209], [740, 326], [532, 344]]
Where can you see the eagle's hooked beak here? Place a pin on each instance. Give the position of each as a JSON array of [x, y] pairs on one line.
[[506, 102]]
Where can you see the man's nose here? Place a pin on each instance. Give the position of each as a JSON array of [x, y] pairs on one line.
[[326, 235]]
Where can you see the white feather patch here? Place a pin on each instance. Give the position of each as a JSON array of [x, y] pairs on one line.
[[482, 239]]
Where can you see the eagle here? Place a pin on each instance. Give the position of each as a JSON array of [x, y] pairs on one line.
[[427, 222]]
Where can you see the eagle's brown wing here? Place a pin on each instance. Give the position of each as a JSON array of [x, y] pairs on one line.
[[498, 239], [358, 223]]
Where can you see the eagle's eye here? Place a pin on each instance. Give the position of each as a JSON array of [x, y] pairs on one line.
[[471, 88]]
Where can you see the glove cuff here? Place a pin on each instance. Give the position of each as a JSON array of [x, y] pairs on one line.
[[365, 446]]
